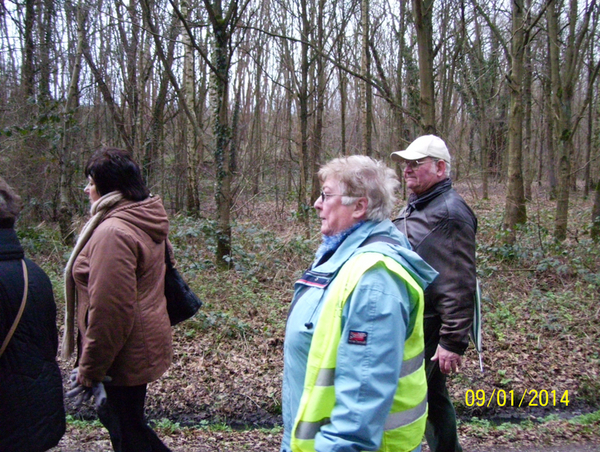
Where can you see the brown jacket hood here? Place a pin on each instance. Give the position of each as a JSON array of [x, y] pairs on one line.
[[148, 215]]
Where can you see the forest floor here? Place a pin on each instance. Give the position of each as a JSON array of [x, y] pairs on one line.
[[540, 389], [200, 440]]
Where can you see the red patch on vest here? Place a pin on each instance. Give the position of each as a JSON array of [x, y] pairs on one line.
[[357, 337]]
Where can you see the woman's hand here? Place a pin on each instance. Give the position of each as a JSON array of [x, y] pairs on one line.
[[82, 393]]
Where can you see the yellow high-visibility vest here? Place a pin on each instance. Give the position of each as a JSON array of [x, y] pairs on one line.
[[405, 423]]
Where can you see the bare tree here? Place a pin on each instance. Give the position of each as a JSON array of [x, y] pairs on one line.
[[564, 75], [595, 230], [224, 23], [70, 106], [367, 97], [28, 66], [590, 130], [102, 80], [423, 14], [290, 90], [515, 211], [46, 20], [190, 136]]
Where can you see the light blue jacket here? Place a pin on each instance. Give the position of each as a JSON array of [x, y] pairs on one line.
[[366, 372]]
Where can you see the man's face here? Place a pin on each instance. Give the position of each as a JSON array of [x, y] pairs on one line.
[[420, 175]]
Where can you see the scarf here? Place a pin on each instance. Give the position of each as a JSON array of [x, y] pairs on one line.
[[98, 212], [331, 243]]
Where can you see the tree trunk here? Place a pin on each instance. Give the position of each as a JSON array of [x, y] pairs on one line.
[[565, 72], [343, 82], [423, 12], [343, 108], [595, 231], [64, 205], [108, 97], [191, 151], [528, 154], [223, 24], [222, 133], [320, 93], [399, 122], [590, 131], [153, 143], [515, 211], [256, 142], [46, 28], [549, 138], [484, 139], [303, 203], [367, 105], [28, 67]]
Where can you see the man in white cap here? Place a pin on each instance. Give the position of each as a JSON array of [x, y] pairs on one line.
[[441, 229]]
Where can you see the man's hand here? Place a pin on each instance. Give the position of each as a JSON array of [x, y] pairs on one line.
[[448, 361]]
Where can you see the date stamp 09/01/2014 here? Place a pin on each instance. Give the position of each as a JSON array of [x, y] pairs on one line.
[[529, 398]]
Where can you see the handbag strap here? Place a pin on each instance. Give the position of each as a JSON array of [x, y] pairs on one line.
[[168, 262], [21, 309]]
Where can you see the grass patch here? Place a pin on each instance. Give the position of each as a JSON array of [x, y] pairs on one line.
[[82, 424], [587, 419]]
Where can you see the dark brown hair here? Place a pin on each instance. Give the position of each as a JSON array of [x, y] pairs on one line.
[[10, 205], [114, 169]]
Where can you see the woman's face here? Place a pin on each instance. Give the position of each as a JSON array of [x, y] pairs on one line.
[[90, 190], [335, 217]]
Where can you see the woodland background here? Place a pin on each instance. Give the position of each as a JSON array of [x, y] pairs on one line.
[[229, 101], [231, 106]]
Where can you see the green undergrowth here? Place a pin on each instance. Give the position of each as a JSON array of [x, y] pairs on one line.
[[251, 298], [169, 427], [483, 426], [549, 430], [541, 321], [83, 424]]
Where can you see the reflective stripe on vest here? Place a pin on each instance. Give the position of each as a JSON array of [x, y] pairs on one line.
[[405, 424]]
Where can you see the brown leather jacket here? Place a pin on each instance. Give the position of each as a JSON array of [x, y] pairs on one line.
[[122, 317], [441, 228]]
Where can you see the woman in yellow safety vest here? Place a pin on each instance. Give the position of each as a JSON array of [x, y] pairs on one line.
[[353, 356]]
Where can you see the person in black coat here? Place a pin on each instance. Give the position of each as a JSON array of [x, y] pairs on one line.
[[32, 414], [441, 228]]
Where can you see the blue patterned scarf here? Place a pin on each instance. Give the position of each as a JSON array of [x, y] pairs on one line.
[[332, 242]]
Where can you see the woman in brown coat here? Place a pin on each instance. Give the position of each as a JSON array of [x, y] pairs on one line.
[[116, 277]]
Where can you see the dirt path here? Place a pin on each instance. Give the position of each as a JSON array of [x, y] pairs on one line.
[[561, 448], [199, 440]]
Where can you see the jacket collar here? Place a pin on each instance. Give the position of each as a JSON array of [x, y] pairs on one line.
[[345, 249], [10, 248], [418, 202], [402, 252]]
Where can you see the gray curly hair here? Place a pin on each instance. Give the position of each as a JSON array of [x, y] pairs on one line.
[[361, 176]]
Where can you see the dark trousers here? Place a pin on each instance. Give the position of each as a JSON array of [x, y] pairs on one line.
[[440, 431], [123, 417]]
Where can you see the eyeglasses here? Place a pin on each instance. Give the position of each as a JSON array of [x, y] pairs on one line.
[[415, 164], [324, 196]]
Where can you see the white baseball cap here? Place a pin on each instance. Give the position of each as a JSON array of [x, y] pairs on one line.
[[424, 146]]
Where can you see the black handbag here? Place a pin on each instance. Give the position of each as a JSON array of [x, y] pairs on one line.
[[182, 302]]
